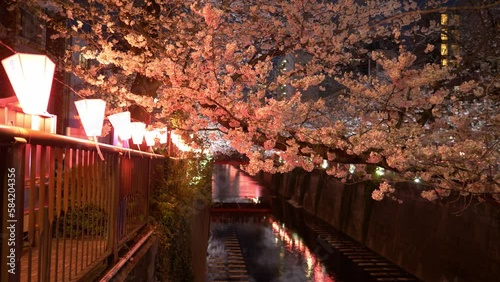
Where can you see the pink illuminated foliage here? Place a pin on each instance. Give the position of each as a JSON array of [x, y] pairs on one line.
[[293, 83]]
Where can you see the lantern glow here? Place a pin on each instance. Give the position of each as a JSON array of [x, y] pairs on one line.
[[150, 137], [31, 77], [180, 144], [137, 129], [91, 113], [121, 124], [163, 137]]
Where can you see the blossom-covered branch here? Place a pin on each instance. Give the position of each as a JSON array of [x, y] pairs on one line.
[[393, 84]]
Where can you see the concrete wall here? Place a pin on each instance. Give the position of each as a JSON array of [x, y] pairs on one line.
[[200, 228], [436, 241]]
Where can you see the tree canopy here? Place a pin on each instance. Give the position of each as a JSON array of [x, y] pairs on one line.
[[408, 86]]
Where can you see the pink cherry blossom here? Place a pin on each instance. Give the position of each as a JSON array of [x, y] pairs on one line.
[[351, 82]]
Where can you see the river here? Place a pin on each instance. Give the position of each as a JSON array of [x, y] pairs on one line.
[[260, 245]]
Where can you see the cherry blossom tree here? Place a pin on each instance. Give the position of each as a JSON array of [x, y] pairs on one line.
[[353, 84]]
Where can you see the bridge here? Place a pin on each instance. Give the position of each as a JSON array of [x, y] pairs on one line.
[[236, 208]]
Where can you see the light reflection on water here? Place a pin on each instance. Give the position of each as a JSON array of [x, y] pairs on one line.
[[270, 250], [312, 269], [230, 185]]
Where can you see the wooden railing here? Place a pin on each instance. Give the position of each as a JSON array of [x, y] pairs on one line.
[[65, 212]]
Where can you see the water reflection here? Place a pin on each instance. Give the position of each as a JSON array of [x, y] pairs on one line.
[[309, 270], [230, 184], [271, 251]]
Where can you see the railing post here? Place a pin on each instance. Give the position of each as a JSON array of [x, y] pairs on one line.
[[148, 192], [12, 203], [115, 201], [53, 169]]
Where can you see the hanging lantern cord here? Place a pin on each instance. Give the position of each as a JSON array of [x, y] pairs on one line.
[[128, 146], [139, 148], [98, 149], [152, 151]]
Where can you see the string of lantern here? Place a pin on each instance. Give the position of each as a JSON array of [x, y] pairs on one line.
[[31, 77]]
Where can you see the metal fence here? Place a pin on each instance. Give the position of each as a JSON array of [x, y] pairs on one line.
[[65, 212]]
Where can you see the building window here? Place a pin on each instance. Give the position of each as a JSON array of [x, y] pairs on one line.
[[450, 35], [444, 36], [444, 49], [84, 62], [444, 19]]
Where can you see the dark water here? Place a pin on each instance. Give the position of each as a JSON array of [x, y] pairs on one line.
[[272, 249]]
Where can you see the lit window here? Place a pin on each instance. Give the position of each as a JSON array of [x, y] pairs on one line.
[[84, 62], [444, 19], [444, 50]]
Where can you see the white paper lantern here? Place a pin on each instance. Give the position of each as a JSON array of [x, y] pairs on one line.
[[121, 124], [91, 113], [163, 137], [31, 77], [137, 129], [150, 137]]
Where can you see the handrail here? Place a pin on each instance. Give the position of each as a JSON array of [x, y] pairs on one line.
[[8, 133], [68, 210], [112, 272]]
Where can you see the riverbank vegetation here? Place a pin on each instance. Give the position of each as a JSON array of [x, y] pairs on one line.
[[185, 189]]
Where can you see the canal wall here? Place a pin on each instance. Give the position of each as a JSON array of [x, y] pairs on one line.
[[200, 229], [436, 241]]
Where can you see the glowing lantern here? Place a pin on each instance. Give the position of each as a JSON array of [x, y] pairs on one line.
[[91, 113], [31, 77], [180, 144], [137, 129], [163, 137], [150, 137], [121, 124]]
